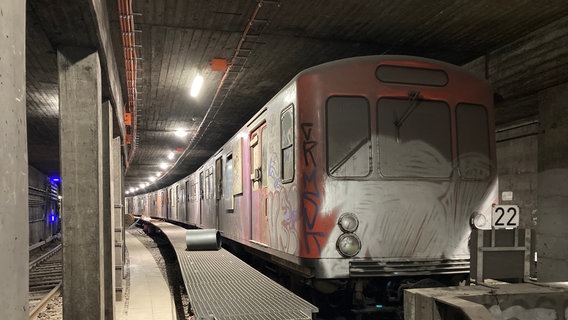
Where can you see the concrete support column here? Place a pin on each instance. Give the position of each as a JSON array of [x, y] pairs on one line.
[[14, 231], [118, 217], [81, 143], [552, 231], [108, 210]]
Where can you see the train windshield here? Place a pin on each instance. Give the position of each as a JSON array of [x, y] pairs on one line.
[[473, 141], [348, 137], [414, 138]]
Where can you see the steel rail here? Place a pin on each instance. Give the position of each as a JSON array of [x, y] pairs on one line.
[[43, 302]]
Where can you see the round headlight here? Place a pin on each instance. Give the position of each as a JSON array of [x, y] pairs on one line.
[[478, 220], [348, 222], [348, 244]]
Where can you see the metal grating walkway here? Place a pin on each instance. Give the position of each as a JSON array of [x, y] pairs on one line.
[[222, 287]]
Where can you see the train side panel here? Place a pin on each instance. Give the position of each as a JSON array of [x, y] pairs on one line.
[[172, 195], [159, 203], [280, 219], [194, 217], [234, 203], [208, 207]]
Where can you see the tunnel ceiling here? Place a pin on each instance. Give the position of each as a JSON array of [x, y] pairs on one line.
[[176, 39]]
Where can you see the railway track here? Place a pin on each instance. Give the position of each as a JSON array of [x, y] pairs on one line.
[[45, 278]]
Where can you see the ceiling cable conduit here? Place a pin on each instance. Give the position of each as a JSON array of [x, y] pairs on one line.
[[198, 133], [126, 17]]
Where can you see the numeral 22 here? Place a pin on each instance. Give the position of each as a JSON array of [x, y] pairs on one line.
[[501, 212]]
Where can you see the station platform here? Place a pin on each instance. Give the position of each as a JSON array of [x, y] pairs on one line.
[[149, 297], [222, 287]]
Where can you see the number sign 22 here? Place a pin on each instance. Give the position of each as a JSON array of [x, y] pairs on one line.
[[505, 216]]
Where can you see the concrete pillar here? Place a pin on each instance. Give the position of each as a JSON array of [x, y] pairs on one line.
[[552, 231], [108, 210], [123, 217], [118, 219], [14, 231], [81, 152]]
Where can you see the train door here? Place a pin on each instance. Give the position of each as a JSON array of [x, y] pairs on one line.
[[201, 198], [181, 202], [168, 201], [164, 203], [175, 212], [259, 218], [173, 203], [218, 189], [187, 199]]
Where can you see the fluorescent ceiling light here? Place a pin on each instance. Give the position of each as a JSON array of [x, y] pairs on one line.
[[171, 155], [158, 174], [152, 178], [196, 85], [181, 133], [163, 165]]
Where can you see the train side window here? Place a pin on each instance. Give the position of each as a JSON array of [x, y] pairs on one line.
[[193, 193], [348, 137], [473, 141], [264, 150], [178, 194], [209, 180], [414, 138], [218, 178], [187, 191], [201, 186], [228, 184], [287, 145], [205, 192]]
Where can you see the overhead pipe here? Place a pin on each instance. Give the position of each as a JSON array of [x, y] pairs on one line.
[[251, 20]]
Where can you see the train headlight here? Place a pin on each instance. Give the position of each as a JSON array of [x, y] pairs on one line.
[[478, 221], [348, 222], [349, 245]]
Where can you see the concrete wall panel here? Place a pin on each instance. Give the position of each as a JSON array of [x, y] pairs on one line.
[[14, 163]]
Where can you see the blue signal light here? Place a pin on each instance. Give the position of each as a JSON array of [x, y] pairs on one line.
[[379, 306], [55, 179], [52, 217]]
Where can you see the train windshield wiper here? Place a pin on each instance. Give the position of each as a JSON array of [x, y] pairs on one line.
[[413, 99]]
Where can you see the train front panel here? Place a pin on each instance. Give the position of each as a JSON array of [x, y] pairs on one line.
[[394, 157]]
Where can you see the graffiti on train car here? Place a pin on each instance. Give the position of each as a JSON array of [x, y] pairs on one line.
[[281, 204], [316, 226], [283, 217], [308, 144], [273, 171]]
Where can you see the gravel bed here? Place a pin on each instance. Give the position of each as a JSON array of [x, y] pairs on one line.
[[53, 310]]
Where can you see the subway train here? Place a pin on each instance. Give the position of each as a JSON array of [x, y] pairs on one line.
[[364, 176], [43, 208]]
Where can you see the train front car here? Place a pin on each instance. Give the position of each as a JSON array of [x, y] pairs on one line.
[[395, 159]]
